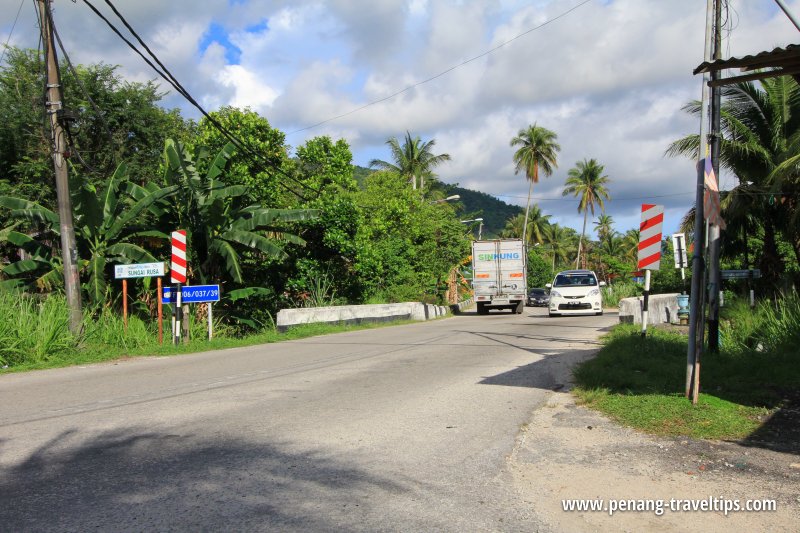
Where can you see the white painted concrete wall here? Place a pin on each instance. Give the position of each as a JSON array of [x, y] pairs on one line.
[[353, 314], [662, 309]]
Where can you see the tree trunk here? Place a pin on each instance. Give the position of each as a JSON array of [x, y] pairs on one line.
[[580, 241], [771, 266], [527, 211]]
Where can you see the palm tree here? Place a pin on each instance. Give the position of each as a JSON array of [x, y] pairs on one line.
[[630, 247], [759, 145], [537, 221], [604, 226], [557, 239], [413, 160], [537, 150], [587, 181]]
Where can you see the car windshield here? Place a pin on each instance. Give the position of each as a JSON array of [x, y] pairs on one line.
[[537, 292], [571, 280]]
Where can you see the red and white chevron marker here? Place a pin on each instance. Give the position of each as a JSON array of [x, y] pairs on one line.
[[649, 256], [178, 266]]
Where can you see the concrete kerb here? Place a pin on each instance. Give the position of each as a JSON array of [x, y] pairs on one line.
[[662, 309], [358, 314]]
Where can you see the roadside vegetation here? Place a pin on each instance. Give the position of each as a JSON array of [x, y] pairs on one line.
[[640, 382], [34, 335]]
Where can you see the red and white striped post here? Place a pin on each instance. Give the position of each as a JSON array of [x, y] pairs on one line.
[[649, 256], [177, 273]]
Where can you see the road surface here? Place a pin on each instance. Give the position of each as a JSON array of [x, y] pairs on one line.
[[403, 428]]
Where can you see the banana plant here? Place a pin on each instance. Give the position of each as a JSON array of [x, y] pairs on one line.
[[107, 222], [221, 223]]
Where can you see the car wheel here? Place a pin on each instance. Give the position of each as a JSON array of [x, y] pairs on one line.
[[482, 310], [519, 308]]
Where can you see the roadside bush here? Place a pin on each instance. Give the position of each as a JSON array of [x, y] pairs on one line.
[[615, 292], [33, 329]]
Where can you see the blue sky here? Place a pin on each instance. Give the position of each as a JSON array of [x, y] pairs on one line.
[[609, 78]]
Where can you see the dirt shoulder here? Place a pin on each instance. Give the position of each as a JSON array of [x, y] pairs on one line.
[[570, 452]]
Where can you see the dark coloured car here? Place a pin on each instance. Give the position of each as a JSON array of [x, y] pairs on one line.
[[538, 298]]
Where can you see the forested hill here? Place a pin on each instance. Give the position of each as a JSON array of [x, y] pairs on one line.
[[495, 213]]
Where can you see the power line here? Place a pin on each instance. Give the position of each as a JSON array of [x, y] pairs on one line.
[[19, 10], [167, 76], [622, 198], [446, 71]]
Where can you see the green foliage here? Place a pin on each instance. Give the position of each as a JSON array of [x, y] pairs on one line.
[[773, 327], [616, 291], [405, 247], [132, 127], [32, 329], [414, 160], [539, 269], [219, 222], [495, 213], [106, 221], [257, 164]]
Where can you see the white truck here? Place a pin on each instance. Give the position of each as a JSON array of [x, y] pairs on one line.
[[499, 275]]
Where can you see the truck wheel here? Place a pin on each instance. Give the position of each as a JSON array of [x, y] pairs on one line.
[[482, 310], [520, 307]]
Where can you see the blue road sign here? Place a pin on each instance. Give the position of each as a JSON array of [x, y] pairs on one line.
[[192, 294]]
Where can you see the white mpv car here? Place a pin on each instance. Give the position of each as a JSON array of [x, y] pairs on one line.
[[576, 292]]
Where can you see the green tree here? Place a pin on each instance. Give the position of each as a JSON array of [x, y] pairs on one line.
[[220, 220], [538, 149], [536, 223], [128, 125], [558, 241], [760, 144], [586, 180], [107, 224], [260, 164], [414, 160], [604, 227]]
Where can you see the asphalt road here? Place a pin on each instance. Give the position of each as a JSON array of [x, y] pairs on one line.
[[403, 428]]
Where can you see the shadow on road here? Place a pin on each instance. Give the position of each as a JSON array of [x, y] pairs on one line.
[[553, 372], [134, 480]]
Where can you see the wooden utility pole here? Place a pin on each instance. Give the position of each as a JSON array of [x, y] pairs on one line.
[[697, 294], [54, 106], [714, 230]]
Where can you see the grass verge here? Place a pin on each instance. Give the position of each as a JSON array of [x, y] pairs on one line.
[[38, 337], [640, 383]]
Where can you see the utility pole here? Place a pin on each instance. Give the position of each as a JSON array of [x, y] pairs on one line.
[[714, 230], [696, 319], [53, 104]]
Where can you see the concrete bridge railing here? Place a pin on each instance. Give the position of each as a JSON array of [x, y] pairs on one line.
[[357, 314], [662, 309]]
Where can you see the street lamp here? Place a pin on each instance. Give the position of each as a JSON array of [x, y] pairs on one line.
[[448, 199], [480, 227]]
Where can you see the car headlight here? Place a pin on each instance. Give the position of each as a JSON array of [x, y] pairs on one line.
[[594, 292], [555, 294]]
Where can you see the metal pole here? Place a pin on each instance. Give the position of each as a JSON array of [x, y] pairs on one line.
[[788, 13], [714, 230], [125, 303], [698, 267], [69, 247], [177, 290], [210, 321], [646, 302], [160, 314]]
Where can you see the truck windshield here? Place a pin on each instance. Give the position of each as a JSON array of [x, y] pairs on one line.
[[571, 280]]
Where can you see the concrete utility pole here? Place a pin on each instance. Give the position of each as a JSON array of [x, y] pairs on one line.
[[69, 248], [714, 230], [697, 294]]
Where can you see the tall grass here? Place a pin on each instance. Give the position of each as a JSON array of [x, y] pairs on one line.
[[615, 292], [774, 325], [32, 330]]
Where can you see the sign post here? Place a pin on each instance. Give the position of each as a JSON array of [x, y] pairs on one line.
[[649, 255], [177, 278], [679, 250], [206, 294], [139, 270]]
